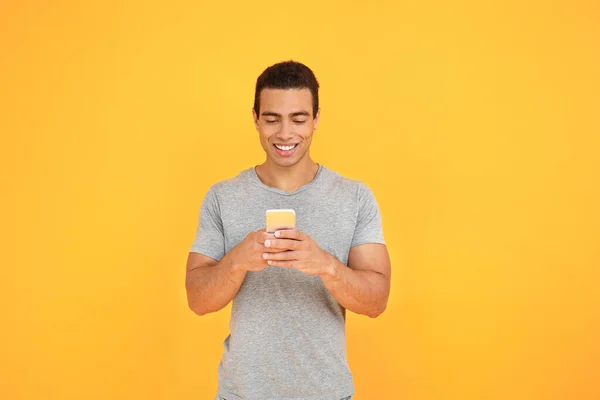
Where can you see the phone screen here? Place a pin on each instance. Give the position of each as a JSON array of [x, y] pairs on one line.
[[280, 219]]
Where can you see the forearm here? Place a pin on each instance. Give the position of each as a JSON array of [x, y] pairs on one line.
[[209, 289], [362, 292]]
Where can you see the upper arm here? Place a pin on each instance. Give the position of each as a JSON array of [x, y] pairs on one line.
[[368, 250], [368, 228], [371, 257], [197, 260], [210, 233]]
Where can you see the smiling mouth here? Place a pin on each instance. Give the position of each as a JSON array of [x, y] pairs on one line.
[[286, 148]]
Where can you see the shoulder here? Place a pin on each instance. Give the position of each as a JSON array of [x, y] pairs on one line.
[[222, 193], [350, 185], [232, 184]]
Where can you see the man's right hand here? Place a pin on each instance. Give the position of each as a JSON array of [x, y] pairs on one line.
[[248, 254]]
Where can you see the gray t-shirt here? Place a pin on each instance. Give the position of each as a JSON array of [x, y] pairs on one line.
[[287, 332]]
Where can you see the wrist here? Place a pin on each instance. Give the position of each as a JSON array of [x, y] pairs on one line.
[[232, 266], [332, 268]]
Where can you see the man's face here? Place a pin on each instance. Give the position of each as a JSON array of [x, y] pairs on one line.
[[285, 124]]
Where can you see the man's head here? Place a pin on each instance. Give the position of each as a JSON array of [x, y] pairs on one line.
[[286, 111], [287, 75]]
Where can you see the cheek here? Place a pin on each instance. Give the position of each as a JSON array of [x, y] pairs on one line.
[[306, 133], [264, 135]]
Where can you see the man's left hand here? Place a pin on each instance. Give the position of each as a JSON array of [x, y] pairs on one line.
[[300, 252]]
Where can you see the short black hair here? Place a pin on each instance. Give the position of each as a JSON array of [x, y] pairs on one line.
[[287, 75]]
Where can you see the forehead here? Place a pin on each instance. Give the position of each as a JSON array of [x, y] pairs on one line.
[[285, 100]]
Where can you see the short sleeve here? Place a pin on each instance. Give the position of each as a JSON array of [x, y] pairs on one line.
[[210, 239], [368, 227]]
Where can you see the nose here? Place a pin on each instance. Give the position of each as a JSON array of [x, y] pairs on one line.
[[286, 132]]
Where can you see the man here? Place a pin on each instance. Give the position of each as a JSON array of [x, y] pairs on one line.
[[289, 289]]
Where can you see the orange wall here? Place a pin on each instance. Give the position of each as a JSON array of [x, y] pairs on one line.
[[476, 125]]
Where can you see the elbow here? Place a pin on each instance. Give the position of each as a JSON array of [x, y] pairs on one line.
[[197, 310], [195, 306], [200, 307], [377, 311], [194, 301]]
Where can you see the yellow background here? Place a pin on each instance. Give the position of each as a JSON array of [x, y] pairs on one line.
[[476, 125]]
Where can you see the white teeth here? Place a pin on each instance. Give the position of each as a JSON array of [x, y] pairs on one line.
[[285, 148]]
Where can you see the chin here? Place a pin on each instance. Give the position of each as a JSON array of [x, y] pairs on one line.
[[285, 163]]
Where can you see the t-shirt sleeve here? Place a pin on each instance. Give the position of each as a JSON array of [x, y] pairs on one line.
[[369, 227], [210, 238]]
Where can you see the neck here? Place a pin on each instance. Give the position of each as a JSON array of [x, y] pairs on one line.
[[288, 179]]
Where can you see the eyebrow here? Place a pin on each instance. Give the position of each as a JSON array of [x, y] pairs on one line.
[[291, 115]]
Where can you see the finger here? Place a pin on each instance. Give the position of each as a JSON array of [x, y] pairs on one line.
[[261, 232], [271, 250], [283, 264], [290, 234], [283, 244], [261, 238], [282, 255]]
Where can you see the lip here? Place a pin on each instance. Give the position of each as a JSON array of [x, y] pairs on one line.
[[286, 153]]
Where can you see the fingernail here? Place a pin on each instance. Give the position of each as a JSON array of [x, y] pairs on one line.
[[277, 234], [269, 262], [265, 255], [267, 243]]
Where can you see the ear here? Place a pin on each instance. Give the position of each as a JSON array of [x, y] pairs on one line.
[[317, 118], [255, 118]]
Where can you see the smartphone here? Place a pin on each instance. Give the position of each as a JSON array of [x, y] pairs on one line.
[[280, 219]]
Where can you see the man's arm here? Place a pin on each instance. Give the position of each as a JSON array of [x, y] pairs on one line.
[[363, 286], [210, 279], [211, 285]]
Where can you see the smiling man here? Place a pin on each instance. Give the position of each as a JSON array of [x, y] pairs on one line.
[[291, 289]]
